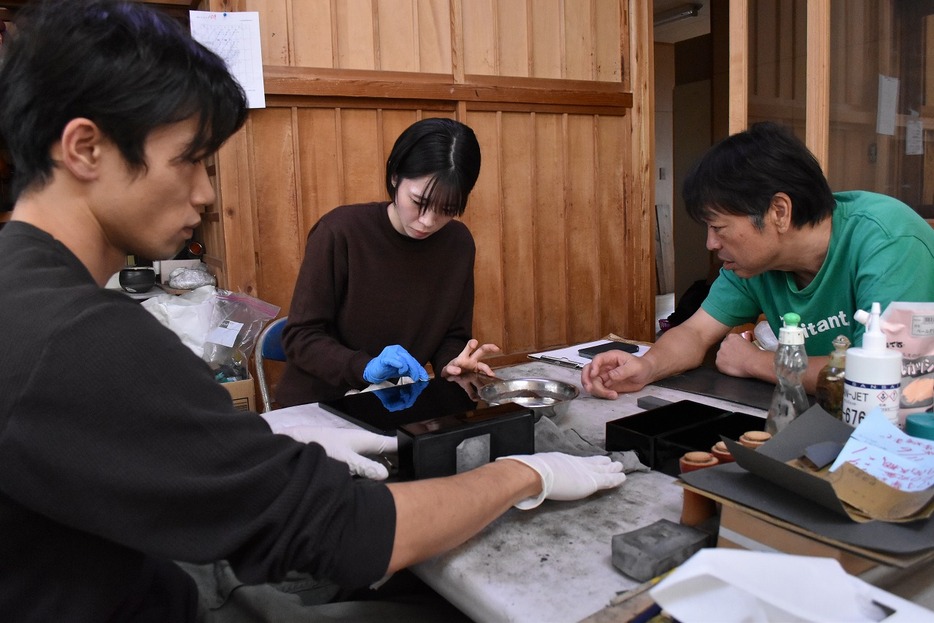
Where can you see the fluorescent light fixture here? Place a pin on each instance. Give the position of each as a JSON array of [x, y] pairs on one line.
[[680, 12]]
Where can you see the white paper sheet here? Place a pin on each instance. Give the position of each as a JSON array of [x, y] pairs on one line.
[[733, 586], [882, 450], [234, 36]]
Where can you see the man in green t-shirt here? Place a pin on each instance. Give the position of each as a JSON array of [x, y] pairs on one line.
[[788, 244]]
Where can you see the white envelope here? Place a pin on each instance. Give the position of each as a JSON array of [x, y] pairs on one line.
[[727, 585]]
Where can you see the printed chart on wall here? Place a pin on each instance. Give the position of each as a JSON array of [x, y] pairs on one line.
[[234, 36]]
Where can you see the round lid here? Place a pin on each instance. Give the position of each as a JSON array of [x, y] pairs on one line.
[[757, 436], [699, 457], [920, 425]]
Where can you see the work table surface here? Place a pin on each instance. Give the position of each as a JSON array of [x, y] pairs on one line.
[[552, 563]]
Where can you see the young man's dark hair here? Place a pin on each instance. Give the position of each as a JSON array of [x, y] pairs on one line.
[[443, 148], [128, 70], [742, 173]]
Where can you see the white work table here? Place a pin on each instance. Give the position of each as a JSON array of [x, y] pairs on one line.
[[552, 563]]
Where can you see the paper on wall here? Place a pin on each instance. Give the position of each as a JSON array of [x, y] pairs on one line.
[[234, 36], [886, 111], [914, 135]]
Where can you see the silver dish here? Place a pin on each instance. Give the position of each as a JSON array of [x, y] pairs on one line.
[[543, 396]]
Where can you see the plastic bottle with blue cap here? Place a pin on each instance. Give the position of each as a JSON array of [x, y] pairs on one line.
[[873, 374], [791, 361]]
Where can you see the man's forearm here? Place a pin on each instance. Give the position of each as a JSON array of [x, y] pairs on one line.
[[676, 351], [435, 515], [764, 370]]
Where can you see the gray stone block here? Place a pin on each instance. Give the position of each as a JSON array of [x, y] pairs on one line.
[[652, 550]]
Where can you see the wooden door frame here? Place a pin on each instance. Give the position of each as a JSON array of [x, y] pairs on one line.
[[817, 97]]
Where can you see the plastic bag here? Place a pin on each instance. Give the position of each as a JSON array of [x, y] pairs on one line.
[[237, 321], [188, 315], [909, 327]]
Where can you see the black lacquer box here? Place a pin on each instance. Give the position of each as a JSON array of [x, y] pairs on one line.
[[661, 436], [442, 428], [454, 443]]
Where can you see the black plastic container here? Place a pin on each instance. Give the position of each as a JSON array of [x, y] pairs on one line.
[[660, 436]]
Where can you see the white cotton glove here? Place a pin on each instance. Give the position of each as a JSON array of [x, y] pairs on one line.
[[349, 445], [566, 477]]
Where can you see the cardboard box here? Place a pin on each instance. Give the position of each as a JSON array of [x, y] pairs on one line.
[[847, 491], [741, 529], [762, 486], [243, 394]]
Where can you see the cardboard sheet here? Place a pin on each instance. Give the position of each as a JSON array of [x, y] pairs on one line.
[[860, 495], [734, 483], [761, 480]]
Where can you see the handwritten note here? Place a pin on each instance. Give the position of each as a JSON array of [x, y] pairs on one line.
[[234, 36], [880, 449]]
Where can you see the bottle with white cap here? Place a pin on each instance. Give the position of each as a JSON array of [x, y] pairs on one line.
[[791, 361], [873, 374]]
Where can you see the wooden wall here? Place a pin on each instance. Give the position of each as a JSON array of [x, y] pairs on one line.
[[558, 94]]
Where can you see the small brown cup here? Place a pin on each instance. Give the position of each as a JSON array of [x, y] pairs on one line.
[[754, 438], [696, 508], [722, 453]]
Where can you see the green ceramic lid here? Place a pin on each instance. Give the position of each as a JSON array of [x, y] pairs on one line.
[[920, 425]]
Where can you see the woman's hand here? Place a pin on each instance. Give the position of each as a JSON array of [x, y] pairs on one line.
[[469, 360]]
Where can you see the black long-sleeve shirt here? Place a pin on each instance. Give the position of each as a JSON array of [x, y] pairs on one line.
[[119, 452]]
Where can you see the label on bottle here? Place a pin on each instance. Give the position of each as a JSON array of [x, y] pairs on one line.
[[861, 398]]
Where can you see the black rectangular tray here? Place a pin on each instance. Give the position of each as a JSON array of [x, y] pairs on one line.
[[425, 401], [661, 436]]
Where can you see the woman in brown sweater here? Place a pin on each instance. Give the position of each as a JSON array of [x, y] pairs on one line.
[[386, 287]]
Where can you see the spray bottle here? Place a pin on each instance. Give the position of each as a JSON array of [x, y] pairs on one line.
[[873, 375]]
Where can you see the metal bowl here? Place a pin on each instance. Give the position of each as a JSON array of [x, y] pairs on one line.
[[543, 396]]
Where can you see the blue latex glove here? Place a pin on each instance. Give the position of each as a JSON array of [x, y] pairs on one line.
[[401, 396], [392, 363]]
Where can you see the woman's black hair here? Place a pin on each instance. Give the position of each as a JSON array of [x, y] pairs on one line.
[[127, 67], [445, 149], [742, 173]]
